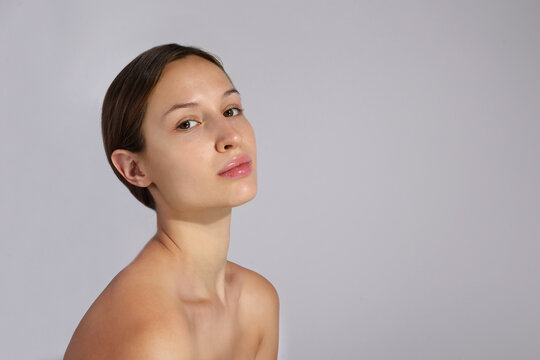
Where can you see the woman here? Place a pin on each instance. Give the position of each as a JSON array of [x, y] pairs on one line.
[[175, 134]]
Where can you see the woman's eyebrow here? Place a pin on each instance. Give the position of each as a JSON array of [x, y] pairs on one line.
[[193, 104], [179, 106], [230, 91]]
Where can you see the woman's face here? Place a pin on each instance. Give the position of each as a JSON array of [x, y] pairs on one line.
[[193, 128]]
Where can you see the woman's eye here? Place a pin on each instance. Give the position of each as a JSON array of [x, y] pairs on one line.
[[232, 112], [185, 125]]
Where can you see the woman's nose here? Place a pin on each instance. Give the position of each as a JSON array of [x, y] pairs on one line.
[[227, 137]]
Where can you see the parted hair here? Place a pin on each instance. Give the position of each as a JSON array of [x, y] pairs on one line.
[[125, 102]]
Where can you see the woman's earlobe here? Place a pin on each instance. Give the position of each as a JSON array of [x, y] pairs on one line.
[[129, 166]]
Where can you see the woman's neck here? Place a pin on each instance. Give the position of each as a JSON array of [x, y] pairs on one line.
[[197, 244]]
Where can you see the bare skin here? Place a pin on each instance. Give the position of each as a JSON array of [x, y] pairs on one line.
[[180, 298]]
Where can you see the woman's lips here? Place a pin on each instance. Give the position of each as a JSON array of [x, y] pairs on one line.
[[243, 169], [237, 166]]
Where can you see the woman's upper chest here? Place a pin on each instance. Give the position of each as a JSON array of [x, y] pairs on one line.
[[223, 330]]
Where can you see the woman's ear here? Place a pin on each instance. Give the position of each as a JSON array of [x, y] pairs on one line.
[[130, 166]]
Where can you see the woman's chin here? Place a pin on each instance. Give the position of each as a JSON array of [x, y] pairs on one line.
[[246, 196]]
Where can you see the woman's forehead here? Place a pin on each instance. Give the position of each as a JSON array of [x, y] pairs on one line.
[[192, 70], [187, 80]]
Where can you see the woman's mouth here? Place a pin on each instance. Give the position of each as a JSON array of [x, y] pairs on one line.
[[239, 166], [238, 171]]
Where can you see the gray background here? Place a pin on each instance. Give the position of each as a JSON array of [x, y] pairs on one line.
[[399, 169]]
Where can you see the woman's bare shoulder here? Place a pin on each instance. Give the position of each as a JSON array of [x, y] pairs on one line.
[[258, 296], [253, 284], [132, 318], [260, 303]]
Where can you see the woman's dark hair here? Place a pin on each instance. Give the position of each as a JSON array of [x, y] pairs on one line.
[[124, 106]]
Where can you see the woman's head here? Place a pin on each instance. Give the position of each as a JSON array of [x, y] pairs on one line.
[[171, 120]]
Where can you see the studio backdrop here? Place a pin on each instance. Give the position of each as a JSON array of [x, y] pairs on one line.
[[398, 207]]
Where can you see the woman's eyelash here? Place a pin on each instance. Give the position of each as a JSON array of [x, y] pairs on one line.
[[186, 122], [237, 108]]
